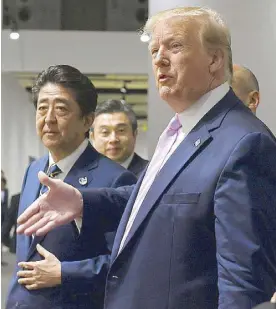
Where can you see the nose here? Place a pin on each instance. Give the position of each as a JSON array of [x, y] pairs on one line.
[[161, 59], [50, 116], [113, 137]]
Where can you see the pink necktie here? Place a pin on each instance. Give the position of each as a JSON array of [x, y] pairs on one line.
[[163, 148], [166, 141]]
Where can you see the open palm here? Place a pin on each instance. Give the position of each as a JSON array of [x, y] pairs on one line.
[[60, 205]]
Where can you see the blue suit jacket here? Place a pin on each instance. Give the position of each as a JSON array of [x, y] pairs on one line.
[[205, 235], [83, 266]]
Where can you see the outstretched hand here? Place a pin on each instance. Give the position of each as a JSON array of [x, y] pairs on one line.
[[60, 205]]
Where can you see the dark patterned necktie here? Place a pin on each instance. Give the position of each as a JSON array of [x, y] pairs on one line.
[[52, 172]]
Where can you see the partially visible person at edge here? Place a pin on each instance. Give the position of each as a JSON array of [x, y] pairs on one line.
[[246, 87], [198, 230]]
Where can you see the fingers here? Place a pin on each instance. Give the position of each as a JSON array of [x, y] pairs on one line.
[[48, 227], [27, 265], [25, 273], [32, 287], [31, 221], [28, 213], [42, 251], [273, 299], [27, 281], [36, 226]]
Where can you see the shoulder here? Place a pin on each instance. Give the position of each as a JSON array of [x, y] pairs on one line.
[[107, 163], [140, 159]]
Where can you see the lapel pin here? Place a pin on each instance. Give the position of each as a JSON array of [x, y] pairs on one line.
[[83, 181], [197, 142]]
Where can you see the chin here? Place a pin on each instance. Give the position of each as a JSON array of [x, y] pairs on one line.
[[165, 93], [50, 144]]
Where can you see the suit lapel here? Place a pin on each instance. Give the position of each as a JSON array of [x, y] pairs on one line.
[[191, 146], [79, 177], [183, 155], [31, 192], [125, 217]]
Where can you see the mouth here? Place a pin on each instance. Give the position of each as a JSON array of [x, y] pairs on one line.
[[113, 150], [50, 132], [163, 77]]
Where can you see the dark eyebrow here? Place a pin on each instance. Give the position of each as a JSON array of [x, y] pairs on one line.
[[57, 99]]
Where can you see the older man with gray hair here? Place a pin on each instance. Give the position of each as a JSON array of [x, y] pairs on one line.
[[246, 86], [198, 229]]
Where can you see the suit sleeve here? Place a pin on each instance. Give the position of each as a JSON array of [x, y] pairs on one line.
[[245, 224], [107, 206]]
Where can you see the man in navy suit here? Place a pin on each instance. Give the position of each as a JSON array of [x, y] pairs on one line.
[[199, 227], [59, 270], [114, 134]]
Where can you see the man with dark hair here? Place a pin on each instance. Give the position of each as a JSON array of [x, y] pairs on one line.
[[246, 87], [114, 134], [60, 270]]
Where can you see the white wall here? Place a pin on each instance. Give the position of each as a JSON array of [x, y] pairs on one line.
[[90, 52], [18, 133]]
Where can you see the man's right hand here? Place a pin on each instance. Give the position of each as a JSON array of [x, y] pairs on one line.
[[60, 205]]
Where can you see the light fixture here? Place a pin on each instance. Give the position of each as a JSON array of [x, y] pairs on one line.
[[144, 37], [14, 35]]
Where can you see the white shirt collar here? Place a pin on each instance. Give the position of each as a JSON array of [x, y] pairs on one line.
[[191, 116], [67, 163], [127, 162]]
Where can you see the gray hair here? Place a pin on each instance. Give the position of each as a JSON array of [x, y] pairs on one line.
[[213, 30]]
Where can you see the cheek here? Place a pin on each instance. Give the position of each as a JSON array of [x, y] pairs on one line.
[[39, 125], [100, 144]]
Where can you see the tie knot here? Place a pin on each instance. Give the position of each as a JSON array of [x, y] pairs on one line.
[[53, 171], [175, 125]]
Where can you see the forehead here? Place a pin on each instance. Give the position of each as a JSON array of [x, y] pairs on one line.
[[173, 27], [51, 91], [114, 119]]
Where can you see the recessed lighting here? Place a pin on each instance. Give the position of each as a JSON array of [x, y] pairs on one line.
[[14, 35], [144, 37]]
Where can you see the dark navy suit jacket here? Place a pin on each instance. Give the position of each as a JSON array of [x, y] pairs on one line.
[[137, 165], [205, 234], [83, 262]]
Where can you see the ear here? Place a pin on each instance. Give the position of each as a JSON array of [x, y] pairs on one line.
[[91, 135], [88, 120], [217, 60], [253, 100]]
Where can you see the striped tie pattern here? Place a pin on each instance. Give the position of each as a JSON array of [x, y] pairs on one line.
[[52, 172]]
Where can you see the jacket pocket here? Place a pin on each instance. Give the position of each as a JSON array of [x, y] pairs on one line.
[[180, 198]]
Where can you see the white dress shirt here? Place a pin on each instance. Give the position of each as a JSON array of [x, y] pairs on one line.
[[66, 164], [188, 119]]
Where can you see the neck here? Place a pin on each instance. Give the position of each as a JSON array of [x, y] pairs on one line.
[[61, 153], [179, 105]]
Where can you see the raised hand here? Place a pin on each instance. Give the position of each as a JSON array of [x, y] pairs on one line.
[[60, 205]]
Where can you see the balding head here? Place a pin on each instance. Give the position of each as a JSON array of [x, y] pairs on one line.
[[246, 87]]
